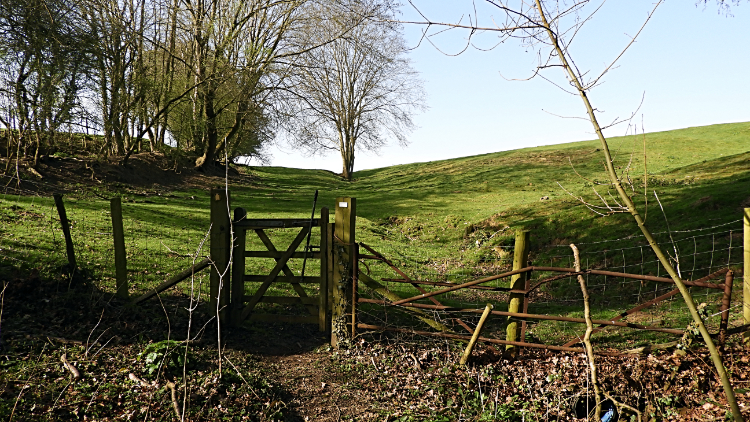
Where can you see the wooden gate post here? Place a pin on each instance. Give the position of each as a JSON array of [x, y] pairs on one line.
[[343, 256], [325, 252], [746, 274], [238, 268], [517, 282], [121, 260], [220, 247]]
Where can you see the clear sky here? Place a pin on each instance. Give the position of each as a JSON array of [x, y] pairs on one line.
[[689, 65]]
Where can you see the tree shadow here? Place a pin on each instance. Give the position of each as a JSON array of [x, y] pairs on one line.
[[42, 318]]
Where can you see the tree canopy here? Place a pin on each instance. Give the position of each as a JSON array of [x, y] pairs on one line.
[[207, 78], [356, 92]]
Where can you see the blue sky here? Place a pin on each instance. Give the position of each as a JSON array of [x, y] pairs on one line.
[[689, 65]]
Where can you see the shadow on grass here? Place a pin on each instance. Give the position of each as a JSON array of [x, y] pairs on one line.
[[104, 338]]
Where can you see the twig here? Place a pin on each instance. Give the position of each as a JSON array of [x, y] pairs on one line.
[[185, 255], [623, 405], [70, 366], [676, 256], [134, 377], [587, 336], [175, 406], [193, 305], [88, 347]]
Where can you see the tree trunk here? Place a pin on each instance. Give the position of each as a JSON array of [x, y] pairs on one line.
[[211, 131]]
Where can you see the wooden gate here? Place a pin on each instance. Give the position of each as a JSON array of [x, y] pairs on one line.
[[243, 304]]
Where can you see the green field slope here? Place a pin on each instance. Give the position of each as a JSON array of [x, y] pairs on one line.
[[700, 175], [447, 220]]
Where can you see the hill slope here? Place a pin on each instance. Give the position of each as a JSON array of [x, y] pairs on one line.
[[505, 188]]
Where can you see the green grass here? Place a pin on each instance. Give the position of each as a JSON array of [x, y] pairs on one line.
[[444, 220]]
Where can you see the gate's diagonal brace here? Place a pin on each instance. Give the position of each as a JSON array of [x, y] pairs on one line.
[[274, 272], [417, 313], [285, 269], [409, 280], [647, 304], [626, 313]]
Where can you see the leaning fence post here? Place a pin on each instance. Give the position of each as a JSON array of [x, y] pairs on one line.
[[66, 231], [475, 335], [118, 235], [343, 244], [746, 274], [726, 303], [220, 247], [517, 282]]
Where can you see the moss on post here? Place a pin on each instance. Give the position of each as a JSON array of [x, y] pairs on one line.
[[343, 256]]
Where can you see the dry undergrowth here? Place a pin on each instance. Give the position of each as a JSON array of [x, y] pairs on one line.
[[287, 372]]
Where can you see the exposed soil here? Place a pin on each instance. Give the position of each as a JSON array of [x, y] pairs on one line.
[[144, 170]]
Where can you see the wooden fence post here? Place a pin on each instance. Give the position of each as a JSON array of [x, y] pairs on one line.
[[331, 268], [746, 274], [517, 282], [238, 268], [66, 232], [343, 245], [325, 251], [220, 246], [118, 235]]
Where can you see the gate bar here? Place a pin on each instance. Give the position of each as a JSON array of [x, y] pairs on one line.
[[530, 316], [484, 339]]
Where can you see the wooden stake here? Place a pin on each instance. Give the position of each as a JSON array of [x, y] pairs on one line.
[[118, 235], [726, 303], [475, 336], [220, 246], [517, 282], [343, 267], [66, 231]]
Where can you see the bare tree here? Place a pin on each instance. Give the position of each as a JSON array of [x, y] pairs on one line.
[[355, 92], [551, 27], [44, 57], [235, 54], [119, 27]]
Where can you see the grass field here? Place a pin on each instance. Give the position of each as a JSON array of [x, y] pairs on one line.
[[444, 220], [451, 220]]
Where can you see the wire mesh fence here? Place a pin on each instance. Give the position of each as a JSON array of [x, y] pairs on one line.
[[695, 254], [160, 240], [163, 236]]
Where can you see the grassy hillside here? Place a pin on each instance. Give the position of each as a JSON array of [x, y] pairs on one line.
[[700, 175], [474, 189], [450, 220]]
